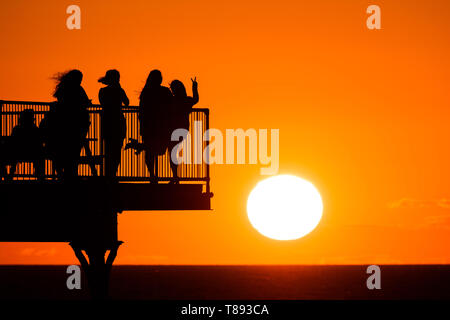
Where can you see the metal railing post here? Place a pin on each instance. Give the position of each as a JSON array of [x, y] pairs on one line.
[[133, 167], [1, 117], [208, 188]]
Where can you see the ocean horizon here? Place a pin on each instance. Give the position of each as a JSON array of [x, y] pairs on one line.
[[232, 282]]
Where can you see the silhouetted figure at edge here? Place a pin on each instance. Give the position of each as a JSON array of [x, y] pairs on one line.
[[113, 122], [181, 108], [26, 144], [154, 108], [68, 123], [96, 269], [2, 159]]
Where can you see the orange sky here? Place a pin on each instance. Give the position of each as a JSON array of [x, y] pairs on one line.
[[362, 114]]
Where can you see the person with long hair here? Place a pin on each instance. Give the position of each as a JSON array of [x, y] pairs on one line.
[[182, 108], [154, 115], [70, 122]]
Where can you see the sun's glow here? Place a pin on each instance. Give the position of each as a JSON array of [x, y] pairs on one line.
[[284, 207]]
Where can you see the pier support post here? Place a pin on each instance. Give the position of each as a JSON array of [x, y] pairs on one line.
[[96, 269]]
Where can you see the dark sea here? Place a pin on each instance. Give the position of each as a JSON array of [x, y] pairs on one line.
[[398, 282]]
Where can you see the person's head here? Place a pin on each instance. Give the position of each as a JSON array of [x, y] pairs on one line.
[[72, 77], [178, 88], [111, 77], [154, 78], [26, 118], [69, 79]]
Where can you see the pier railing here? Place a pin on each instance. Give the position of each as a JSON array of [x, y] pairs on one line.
[[132, 166]]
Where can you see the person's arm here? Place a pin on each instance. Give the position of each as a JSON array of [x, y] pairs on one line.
[[125, 100], [85, 98], [140, 111], [101, 93], [195, 96]]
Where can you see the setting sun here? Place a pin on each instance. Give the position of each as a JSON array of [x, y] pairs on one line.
[[284, 207]]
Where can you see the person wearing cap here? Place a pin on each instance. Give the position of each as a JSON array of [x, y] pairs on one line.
[[113, 125]]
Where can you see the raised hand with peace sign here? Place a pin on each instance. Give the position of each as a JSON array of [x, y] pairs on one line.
[[195, 90], [194, 83]]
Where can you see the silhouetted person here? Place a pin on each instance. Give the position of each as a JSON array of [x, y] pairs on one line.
[[26, 144], [113, 123], [70, 123], [154, 108], [181, 109]]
